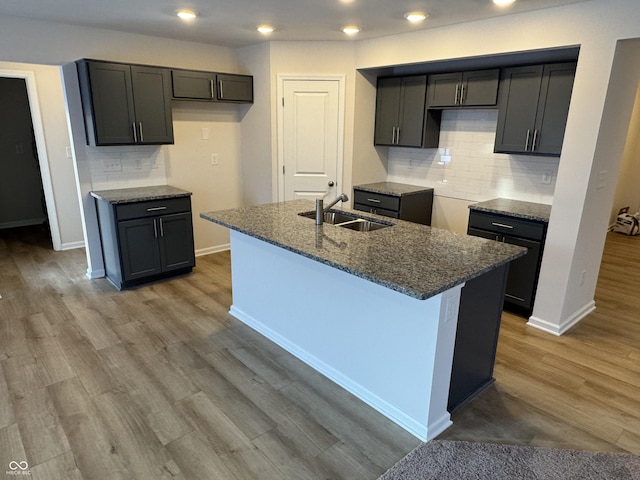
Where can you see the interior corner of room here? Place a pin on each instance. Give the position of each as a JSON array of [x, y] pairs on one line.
[[228, 154]]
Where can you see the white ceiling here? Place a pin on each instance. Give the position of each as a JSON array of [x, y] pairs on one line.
[[233, 22]]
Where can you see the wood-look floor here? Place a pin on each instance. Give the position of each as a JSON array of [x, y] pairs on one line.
[[161, 383]]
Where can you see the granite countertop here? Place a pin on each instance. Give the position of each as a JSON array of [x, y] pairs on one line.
[[139, 194], [410, 258], [539, 212], [392, 188]]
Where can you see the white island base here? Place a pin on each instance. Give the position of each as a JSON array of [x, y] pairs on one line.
[[391, 350]]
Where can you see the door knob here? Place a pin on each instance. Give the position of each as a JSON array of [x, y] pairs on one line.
[[331, 184]]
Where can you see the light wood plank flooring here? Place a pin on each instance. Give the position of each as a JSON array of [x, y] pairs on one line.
[[160, 382]]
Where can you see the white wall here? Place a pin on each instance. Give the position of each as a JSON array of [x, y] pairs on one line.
[[628, 187], [582, 201]]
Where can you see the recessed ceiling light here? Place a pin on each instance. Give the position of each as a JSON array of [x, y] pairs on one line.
[[266, 29], [187, 14], [415, 17], [351, 30], [503, 3]]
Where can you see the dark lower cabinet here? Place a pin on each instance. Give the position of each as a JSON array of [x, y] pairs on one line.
[[146, 241], [415, 207], [524, 271], [476, 336]]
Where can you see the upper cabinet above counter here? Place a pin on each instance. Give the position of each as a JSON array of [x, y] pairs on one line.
[[463, 89], [532, 100], [221, 87], [127, 104]]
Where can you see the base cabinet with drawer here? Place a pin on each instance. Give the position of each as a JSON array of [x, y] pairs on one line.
[[524, 271], [405, 202], [146, 241]]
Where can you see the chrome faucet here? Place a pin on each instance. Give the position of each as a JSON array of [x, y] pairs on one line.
[[320, 210]]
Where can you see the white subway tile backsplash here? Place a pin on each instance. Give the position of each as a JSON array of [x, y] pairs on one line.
[[140, 166], [474, 173]]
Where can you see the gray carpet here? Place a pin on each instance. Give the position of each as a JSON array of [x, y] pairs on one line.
[[447, 460]]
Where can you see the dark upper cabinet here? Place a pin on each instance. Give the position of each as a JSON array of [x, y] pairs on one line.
[[401, 116], [125, 104], [534, 104], [463, 89], [220, 87], [235, 88], [193, 85]]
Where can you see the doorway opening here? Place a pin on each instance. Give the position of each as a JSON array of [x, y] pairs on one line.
[[22, 201]]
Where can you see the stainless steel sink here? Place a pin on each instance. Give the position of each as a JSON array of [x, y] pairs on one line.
[[348, 220]]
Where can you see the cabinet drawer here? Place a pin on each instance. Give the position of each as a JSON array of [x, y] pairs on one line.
[[376, 200], [505, 225], [377, 210], [153, 208]]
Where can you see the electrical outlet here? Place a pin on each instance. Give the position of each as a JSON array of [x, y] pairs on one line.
[[205, 133], [214, 159], [111, 165], [546, 177]]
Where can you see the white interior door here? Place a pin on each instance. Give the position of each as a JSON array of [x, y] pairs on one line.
[[311, 139]]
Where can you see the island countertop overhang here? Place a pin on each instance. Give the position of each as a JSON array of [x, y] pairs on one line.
[[413, 259]]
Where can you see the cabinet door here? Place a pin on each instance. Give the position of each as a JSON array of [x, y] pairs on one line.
[[152, 100], [235, 88], [176, 241], [444, 89], [553, 107], [518, 103], [412, 108], [480, 88], [139, 250], [109, 103], [193, 85], [523, 273], [387, 110]]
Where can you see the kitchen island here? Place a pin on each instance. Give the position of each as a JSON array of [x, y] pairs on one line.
[[374, 311]]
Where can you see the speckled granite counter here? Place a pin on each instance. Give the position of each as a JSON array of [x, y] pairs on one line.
[[139, 194], [515, 208], [413, 259], [392, 188]]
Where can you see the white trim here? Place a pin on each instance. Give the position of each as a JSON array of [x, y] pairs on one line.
[[566, 325], [72, 245], [94, 274], [215, 249], [281, 78], [41, 147]]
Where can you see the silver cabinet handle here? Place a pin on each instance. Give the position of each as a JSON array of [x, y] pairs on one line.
[[211, 87], [155, 209], [135, 133], [220, 90], [455, 100], [526, 144], [373, 200], [397, 135], [161, 229], [461, 93], [155, 228], [141, 135], [535, 138], [495, 224]]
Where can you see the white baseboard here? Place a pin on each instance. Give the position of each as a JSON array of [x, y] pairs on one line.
[[215, 249], [411, 425], [566, 324], [93, 274], [72, 245]]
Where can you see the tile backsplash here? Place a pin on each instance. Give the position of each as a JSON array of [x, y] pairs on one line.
[[473, 172], [124, 167]]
